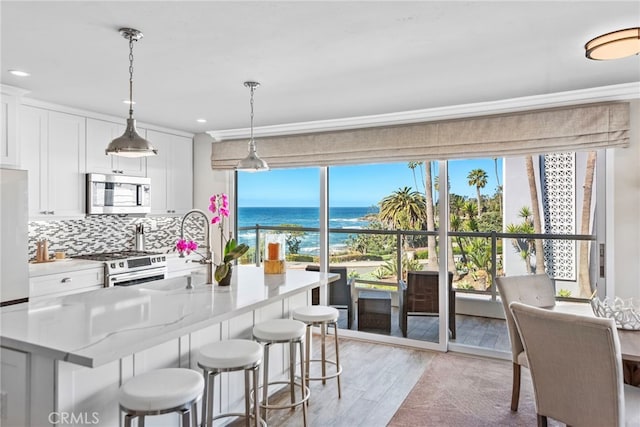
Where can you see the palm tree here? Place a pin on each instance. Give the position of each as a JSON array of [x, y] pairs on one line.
[[469, 210], [478, 178], [413, 166], [499, 187], [535, 210], [403, 208], [428, 192], [585, 226]]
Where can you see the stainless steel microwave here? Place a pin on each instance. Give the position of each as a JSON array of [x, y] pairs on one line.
[[118, 194]]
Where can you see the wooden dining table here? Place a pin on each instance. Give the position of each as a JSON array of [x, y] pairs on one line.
[[629, 342]]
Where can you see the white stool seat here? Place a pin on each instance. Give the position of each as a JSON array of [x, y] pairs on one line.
[[230, 354], [161, 389], [316, 313], [279, 330]]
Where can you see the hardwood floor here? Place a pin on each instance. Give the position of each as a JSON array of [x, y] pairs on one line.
[[376, 377]]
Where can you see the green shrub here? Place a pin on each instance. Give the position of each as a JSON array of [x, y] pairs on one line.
[[301, 258], [422, 254], [564, 293]]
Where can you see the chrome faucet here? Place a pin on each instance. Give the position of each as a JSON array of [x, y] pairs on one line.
[[208, 257]]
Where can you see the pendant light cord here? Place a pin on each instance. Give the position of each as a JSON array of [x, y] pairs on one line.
[[252, 144], [131, 39]]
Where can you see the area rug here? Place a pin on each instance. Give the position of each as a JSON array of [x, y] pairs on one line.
[[458, 390]]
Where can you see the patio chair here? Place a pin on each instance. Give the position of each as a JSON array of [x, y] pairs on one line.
[[419, 297], [340, 295], [576, 368], [533, 289]]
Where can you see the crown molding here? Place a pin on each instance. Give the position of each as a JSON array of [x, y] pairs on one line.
[[13, 90], [619, 92]]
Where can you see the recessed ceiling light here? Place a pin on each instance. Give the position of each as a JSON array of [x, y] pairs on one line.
[[19, 73], [201, 120], [126, 101]]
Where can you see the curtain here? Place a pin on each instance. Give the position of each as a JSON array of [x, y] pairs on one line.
[[584, 127]]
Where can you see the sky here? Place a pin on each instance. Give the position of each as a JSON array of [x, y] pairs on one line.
[[352, 186]]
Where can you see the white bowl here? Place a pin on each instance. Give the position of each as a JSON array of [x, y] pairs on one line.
[[625, 312]]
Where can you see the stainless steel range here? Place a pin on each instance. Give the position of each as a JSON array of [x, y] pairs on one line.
[[126, 268]]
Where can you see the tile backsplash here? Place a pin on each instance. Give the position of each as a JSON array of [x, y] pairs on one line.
[[108, 233]]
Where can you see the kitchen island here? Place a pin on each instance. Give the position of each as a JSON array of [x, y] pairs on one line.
[[67, 356]]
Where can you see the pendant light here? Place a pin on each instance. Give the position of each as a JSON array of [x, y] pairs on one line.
[[252, 163], [130, 144], [614, 45]]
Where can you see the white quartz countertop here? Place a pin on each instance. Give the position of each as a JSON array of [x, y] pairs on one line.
[[63, 266], [97, 327], [70, 264]]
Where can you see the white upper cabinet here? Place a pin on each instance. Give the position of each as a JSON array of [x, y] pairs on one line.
[[8, 124], [53, 151], [171, 173], [99, 134]]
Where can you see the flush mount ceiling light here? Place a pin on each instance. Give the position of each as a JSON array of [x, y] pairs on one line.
[[252, 163], [130, 144], [614, 45], [19, 73]]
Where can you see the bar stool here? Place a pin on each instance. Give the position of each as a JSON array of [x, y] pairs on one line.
[[283, 331], [159, 392], [229, 356], [322, 316]]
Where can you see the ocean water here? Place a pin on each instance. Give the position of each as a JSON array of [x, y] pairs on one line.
[[339, 217]]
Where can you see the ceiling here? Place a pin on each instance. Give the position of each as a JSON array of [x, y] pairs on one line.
[[315, 60]]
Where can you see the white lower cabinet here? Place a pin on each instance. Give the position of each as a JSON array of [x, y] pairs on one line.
[[53, 152], [171, 173], [54, 285], [14, 388]]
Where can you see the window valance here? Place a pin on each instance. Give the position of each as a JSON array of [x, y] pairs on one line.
[[573, 128]]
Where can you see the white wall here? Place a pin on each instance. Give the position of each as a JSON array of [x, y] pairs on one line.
[[623, 217], [207, 182]]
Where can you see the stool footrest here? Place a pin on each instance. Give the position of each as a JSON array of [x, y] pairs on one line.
[[307, 393], [328, 376]]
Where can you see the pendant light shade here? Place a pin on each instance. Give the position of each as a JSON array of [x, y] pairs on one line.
[[614, 45], [252, 163], [131, 144]]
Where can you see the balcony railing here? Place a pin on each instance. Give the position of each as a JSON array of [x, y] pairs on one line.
[[492, 237]]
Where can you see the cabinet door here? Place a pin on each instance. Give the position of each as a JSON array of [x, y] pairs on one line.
[[67, 166], [157, 167], [180, 180], [14, 387], [8, 124], [99, 134], [33, 143]]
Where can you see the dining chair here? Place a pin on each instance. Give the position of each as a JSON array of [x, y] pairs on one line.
[[420, 297], [532, 289], [576, 368]]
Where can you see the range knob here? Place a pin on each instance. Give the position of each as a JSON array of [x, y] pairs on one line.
[[121, 264], [113, 265]]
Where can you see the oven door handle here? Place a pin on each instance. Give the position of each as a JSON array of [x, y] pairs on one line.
[[136, 275]]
